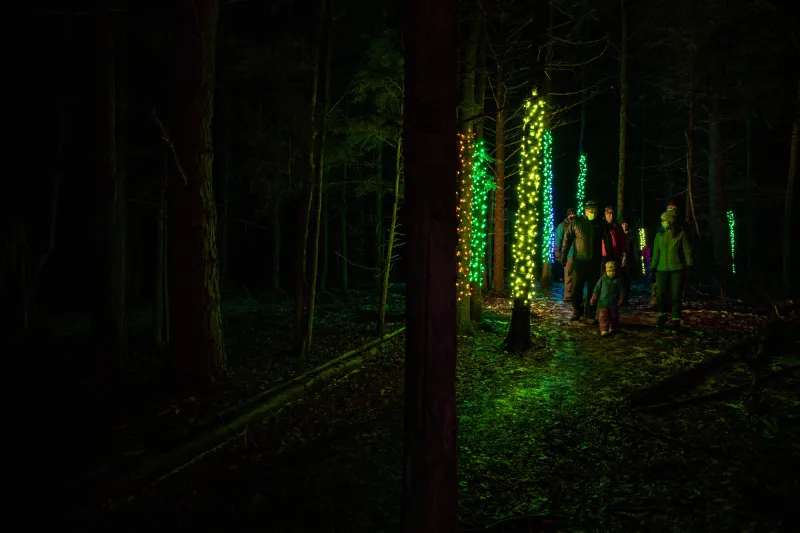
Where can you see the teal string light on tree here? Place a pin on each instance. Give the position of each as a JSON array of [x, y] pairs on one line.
[[581, 195], [548, 236], [731, 231]]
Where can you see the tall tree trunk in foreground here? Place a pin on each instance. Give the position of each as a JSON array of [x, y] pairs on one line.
[[430, 483], [343, 233], [390, 241], [110, 319], [222, 227], [789, 201], [690, 213], [196, 339], [498, 275], [544, 279], [623, 111], [324, 44], [476, 287]]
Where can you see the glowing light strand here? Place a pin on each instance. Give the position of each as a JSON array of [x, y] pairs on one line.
[[523, 250], [481, 185], [548, 236], [642, 245], [581, 196], [464, 203], [731, 228]]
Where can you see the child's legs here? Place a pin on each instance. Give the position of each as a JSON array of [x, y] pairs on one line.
[[613, 314], [604, 319], [676, 293]]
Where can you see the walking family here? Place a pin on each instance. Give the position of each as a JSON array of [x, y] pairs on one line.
[[597, 254]]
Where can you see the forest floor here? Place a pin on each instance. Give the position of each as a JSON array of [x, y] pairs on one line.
[[544, 433]]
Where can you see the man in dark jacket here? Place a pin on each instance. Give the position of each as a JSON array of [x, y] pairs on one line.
[[587, 234], [570, 255]]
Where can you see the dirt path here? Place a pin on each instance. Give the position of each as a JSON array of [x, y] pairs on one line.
[[543, 433]]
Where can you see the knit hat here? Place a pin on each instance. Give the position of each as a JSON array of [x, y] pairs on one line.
[[591, 204], [669, 216], [570, 211]]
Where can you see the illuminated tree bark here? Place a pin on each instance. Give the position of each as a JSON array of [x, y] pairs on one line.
[[430, 482], [196, 336], [387, 262]]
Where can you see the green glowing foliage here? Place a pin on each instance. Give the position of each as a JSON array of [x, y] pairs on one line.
[[548, 236], [466, 149], [731, 228], [482, 183], [530, 175], [581, 196]]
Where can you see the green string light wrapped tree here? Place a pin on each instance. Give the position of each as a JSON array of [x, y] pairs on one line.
[[523, 276], [548, 222], [464, 250], [581, 195], [732, 233], [482, 184]]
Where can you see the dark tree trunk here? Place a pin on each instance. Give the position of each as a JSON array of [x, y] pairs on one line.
[[378, 243], [323, 276], [430, 484], [789, 200], [751, 201], [343, 234], [276, 245], [222, 227], [196, 339], [324, 59], [110, 319], [390, 241], [690, 213], [623, 112], [583, 111], [518, 339], [716, 184], [498, 276], [160, 313], [544, 279]]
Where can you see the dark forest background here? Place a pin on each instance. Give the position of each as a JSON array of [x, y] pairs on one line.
[[738, 60]]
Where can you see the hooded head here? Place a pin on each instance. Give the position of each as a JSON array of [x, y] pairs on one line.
[[590, 210], [668, 218], [571, 213], [611, 269], [672, 206], [625, 225]]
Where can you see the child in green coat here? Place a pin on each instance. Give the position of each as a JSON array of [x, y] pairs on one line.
[[672, 255], [609, 293]]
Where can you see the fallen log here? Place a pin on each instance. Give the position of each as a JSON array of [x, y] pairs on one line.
[[232, 423]]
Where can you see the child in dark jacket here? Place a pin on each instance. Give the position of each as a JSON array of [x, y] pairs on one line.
[[609, 293]]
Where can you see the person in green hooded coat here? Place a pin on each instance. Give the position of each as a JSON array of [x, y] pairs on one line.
[[672, 257]]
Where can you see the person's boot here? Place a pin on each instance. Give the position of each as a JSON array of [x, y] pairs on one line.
[[675, 324], [661, 321], [576, 315]]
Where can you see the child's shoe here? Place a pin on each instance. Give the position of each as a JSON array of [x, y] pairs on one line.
[[603, 333], [611, 330], [661, 321]]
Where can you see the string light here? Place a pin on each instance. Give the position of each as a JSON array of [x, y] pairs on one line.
[[548, 238], [642, 245], [581, 183], [481, 185], [731, 227], [466, 149], [530, 175]]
